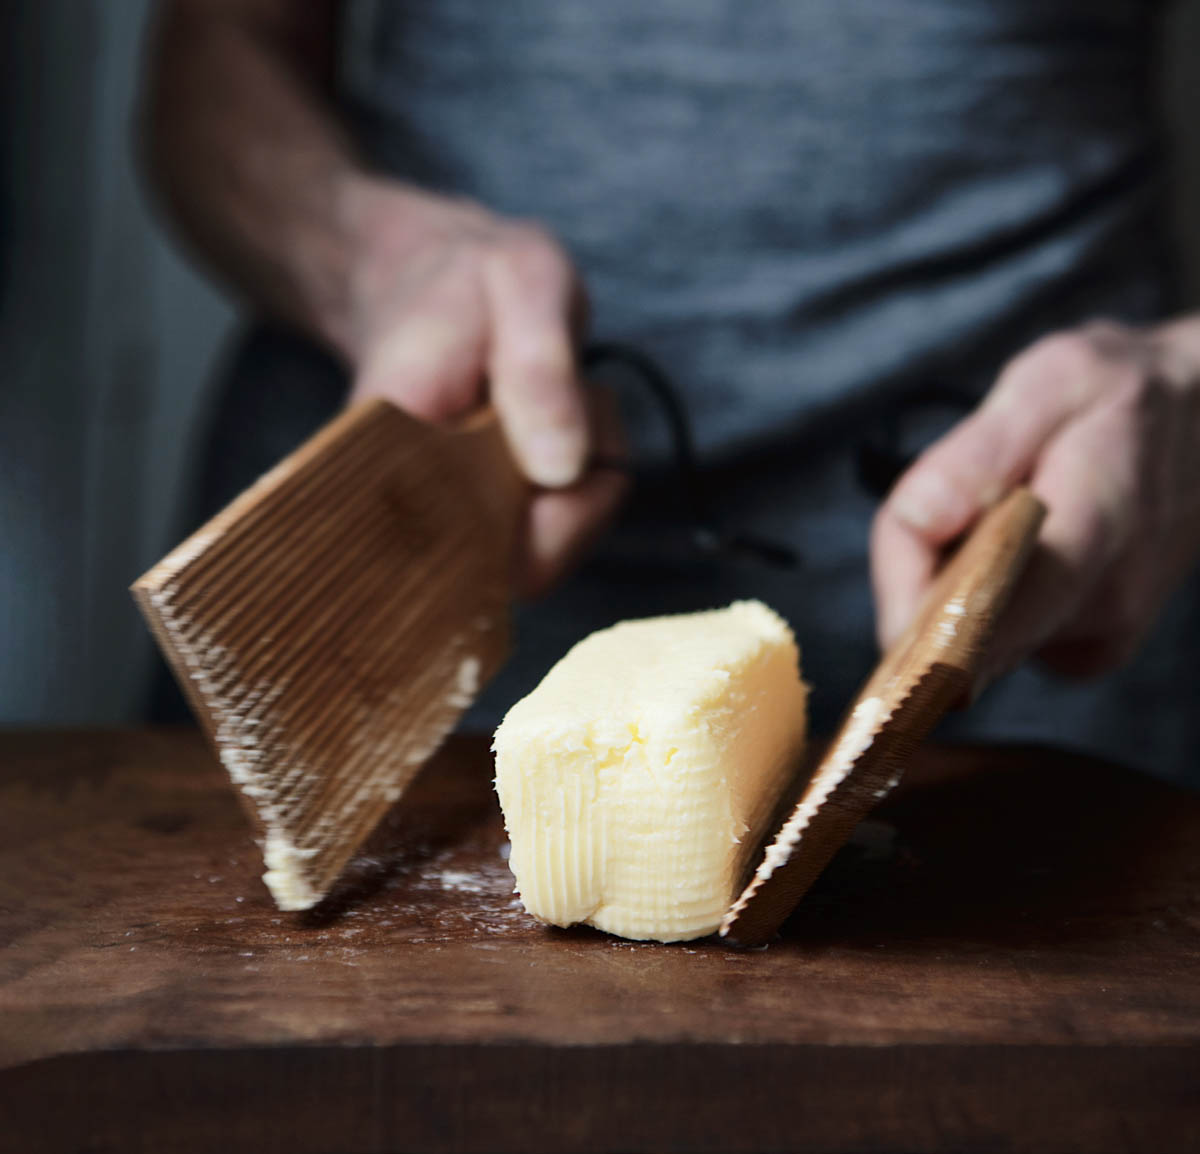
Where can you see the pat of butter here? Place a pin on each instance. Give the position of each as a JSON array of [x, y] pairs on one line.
[[637, 778]]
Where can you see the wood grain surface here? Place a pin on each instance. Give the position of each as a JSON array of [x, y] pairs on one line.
[[1007, 957], [332, 623]]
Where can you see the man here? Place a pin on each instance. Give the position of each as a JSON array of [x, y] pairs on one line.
[[834, 222]]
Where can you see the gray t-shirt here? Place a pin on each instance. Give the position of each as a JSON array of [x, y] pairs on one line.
[[816, 215]]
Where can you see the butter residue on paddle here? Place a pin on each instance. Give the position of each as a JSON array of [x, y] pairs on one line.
[[638, 777]]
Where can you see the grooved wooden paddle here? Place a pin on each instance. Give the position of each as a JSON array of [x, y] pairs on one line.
[[929, 669], [331, 625]]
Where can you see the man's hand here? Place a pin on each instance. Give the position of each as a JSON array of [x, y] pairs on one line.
[[435, 304], [450, 306], [1104, 424]]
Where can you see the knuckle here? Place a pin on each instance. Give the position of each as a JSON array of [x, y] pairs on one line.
[[543, 378], [1127, 389], [555, 404], [1064, 357], [1140, 395], [1106, 334], [534, 256], [546, 366]]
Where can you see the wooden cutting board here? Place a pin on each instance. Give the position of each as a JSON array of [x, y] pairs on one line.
[[1006, 957]]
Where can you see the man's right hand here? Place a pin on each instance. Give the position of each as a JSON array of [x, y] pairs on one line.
[[437, 304], [449, 307]]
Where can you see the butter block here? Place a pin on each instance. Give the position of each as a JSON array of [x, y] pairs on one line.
[[638, 777]]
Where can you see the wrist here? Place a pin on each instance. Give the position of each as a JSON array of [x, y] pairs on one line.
[[312, 258]]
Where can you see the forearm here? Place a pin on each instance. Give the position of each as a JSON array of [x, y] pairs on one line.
[[243, 147]]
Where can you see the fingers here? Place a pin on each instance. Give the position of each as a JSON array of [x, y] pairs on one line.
[[481, 301], [985, 455], [430, 358], [535, 304], [939, 498], [467, 304], [1113, 477], [970, 468], [1087, 479], [563, 523]]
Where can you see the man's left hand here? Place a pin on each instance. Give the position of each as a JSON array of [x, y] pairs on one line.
[[1103, 423]]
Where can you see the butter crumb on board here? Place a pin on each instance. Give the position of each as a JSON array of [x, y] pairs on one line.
[[638, 777]]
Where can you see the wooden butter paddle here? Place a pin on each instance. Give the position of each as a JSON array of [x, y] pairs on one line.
[[331, 625], [930, 668]]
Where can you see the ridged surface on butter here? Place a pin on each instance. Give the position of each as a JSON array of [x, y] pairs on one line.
[[638, 776]]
